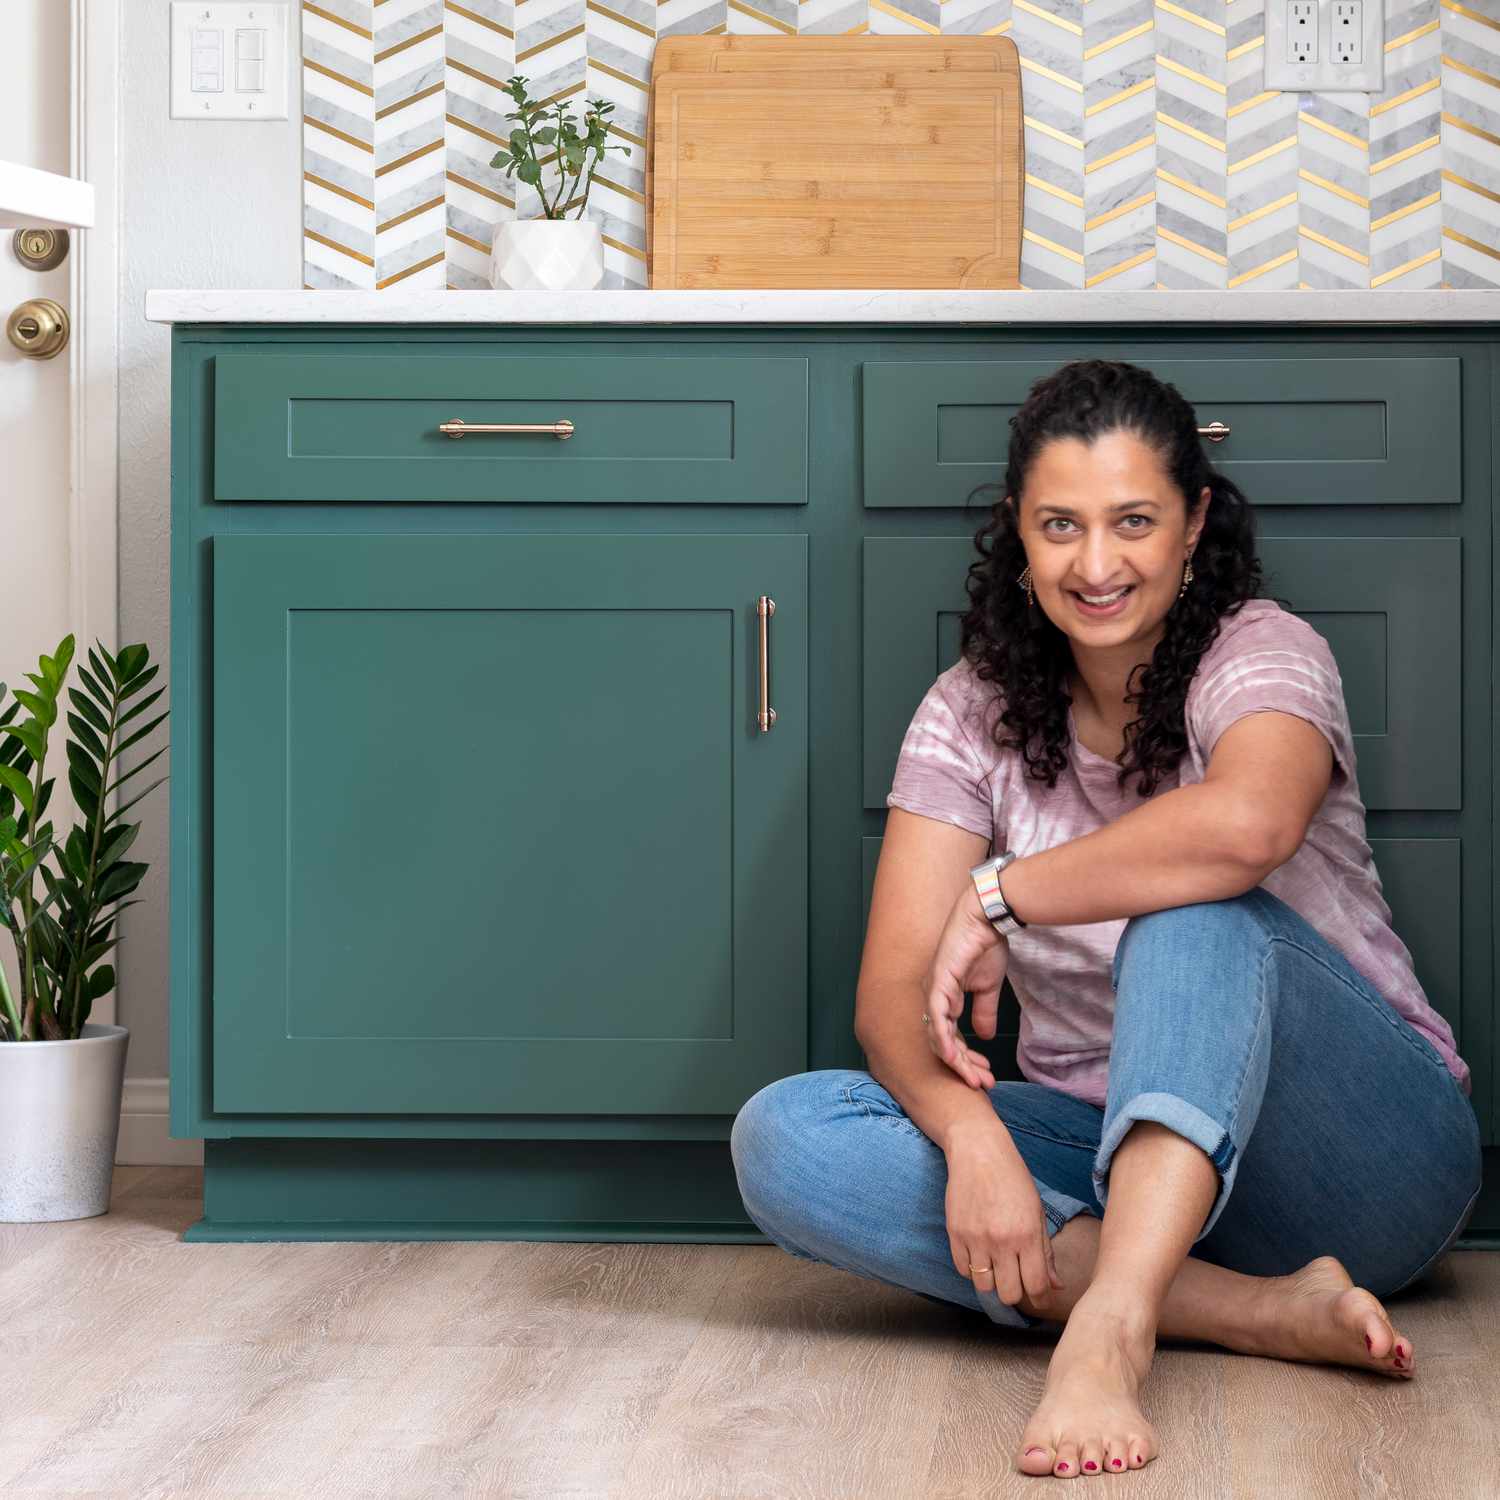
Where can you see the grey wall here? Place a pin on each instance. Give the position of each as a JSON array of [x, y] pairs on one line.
[[203, 204]]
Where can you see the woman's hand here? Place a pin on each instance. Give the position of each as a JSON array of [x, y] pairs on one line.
[[995, 1219], [971, 956]]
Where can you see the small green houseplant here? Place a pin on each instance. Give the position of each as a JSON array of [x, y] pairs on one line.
[[552, 253], [521, 159], [58, 951]]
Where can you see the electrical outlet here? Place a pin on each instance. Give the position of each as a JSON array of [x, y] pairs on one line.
[[1325, 46], [1302, 30], [1348, 24]]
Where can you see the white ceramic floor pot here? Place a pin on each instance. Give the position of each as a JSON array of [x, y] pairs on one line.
[[546, 255], [60, 1124]]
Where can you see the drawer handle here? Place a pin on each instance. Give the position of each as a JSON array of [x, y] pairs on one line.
[[562, 428], [765, 607], [1215, 432]]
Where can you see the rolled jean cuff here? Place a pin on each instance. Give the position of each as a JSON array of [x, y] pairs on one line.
[[1186, 1120], [1059, 1207]]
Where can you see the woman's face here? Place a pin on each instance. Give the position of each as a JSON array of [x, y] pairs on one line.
[[1096, 517]]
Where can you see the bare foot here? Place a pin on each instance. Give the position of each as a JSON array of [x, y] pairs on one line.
[[1087, 1421], [1318, 1314]]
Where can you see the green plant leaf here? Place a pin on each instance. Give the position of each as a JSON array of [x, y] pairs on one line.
[[103, 672], [85, 706], [140, 766], [31, 739], [101, 981], [77, 850], [42, 711], [120, 881], [83, 764], [131, 661], [63, 657], [117, 844], [93, 685], [140, 733], [86, 737], [124, 806], [18, 785], [84, 796]]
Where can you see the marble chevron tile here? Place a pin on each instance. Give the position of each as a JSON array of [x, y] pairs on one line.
[[1154, 154], [1469, 143], [338, 144]]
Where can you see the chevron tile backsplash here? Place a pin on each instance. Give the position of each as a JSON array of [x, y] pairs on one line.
[[1155, 157]]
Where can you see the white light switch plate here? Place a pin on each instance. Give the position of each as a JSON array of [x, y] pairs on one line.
[[229, 61]]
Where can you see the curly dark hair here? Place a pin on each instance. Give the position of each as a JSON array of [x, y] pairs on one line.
[[1021, 649]]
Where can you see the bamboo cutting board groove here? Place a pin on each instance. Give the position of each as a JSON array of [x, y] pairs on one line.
[[834, 162]]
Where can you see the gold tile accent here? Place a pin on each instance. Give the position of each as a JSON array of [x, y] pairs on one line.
[[323, 239], [472, 15], [328, 15], [410, 41], [351, 83], [342, 135], [432, 260], [416, 98], [333, 187], [1216, 27], [401, 161], [410, 213]]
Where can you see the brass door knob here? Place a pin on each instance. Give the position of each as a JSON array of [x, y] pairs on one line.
[[39, 328]]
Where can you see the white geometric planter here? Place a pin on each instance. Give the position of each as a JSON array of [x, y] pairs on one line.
[[553, 255]]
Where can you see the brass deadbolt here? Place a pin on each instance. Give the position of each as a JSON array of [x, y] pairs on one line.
[[39, 328], [40, 249]]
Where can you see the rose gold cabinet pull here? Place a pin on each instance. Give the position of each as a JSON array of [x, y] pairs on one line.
[[1215, 432], [765, 607], [457, 428]]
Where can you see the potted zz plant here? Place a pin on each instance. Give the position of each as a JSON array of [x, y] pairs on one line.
[[552, 253], [61, 1075]]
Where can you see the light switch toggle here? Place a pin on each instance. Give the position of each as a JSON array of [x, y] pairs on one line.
[[208, 60], [249, 60]]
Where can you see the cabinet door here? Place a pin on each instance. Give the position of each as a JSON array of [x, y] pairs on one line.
[[495, 826]]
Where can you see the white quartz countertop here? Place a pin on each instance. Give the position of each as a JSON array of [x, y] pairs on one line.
[[806, 306]]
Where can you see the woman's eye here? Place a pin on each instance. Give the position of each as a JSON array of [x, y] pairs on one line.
[[1136, 516]]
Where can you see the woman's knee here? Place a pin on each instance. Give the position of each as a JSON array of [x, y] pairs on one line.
[[1237, 921], [773, 1139]]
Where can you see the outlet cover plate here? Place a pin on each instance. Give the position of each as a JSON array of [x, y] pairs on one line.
[[1325, 76], [264, 23]]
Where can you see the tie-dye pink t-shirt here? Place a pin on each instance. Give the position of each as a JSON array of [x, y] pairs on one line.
[[1264, 657]]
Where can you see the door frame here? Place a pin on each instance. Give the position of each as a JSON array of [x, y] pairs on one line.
[[93, 350]]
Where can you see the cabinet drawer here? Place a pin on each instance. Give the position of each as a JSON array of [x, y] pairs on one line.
[[1381, 429], [656, 429]]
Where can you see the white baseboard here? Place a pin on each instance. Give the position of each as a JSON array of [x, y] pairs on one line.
[[144, 1140]]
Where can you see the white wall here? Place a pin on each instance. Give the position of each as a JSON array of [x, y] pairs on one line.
[[203, 203]]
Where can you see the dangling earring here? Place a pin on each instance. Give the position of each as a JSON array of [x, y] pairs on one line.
[[1187, 578], [1025, 581]]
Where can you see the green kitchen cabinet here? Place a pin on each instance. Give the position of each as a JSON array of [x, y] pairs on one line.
[[494, 894]]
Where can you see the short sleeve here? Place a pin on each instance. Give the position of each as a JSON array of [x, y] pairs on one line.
[[1277, 662], [939, 773]]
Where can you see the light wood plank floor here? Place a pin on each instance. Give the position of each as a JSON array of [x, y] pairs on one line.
[[133, 1364]]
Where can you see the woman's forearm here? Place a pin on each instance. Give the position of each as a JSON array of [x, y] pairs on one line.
[[1177, 847], [941, 1105]]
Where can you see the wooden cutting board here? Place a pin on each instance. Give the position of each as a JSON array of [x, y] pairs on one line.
[[735, 54], [834, 162]]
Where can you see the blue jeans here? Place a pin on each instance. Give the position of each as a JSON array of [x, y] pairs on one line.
[[1335, 1126]]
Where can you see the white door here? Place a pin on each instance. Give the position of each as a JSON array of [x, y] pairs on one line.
[[57, 427]]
